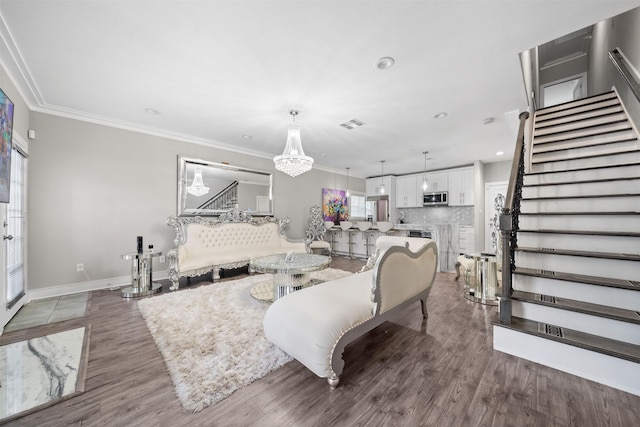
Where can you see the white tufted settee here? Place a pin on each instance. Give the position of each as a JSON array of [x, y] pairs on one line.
[[315, 324], [204, 245]]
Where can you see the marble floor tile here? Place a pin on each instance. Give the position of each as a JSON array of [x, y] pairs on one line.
[[39, 371], [49, 310]]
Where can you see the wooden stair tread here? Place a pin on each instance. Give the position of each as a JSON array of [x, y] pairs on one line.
[[582, 232], [575, 338], [589, 254], [586, 125], [579, 278], [579, 306], [545, 119]]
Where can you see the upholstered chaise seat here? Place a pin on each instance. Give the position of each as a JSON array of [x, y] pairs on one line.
[[315, 324]]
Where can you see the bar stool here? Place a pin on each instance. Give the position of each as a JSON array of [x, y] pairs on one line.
[[328, 226], [346, 226], [364, 227]]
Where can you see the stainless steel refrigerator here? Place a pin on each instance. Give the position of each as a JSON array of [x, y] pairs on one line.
[[377, 208]]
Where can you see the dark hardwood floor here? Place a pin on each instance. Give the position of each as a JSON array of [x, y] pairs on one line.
[[406, 372]]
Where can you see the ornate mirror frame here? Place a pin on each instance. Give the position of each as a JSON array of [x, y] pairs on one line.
[[227, 187]]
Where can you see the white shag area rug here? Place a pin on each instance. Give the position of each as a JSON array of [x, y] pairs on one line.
[[212, 340]]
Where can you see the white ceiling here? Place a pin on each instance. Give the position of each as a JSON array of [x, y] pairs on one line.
[[218, 70]]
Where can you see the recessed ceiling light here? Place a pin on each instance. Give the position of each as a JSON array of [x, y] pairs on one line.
[[151, 111], [440, 115], [385, 63], [247, 136], [499, 153]]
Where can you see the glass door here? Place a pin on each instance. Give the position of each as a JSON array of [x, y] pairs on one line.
[[14, 229]]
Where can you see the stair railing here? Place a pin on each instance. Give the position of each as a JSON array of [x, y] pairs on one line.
[[509, 221], [620, 63], [220, 200]]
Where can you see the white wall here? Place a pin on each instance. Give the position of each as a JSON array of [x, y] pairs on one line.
[[94, 188]]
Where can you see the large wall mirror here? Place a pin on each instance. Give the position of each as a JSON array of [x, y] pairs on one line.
[[209, 189]]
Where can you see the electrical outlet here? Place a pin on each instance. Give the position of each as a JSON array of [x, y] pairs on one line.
[[80, 267], [161, 259]]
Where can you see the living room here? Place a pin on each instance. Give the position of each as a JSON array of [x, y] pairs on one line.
[[96, 181]]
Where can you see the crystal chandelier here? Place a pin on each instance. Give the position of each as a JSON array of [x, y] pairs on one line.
[[425, 185], [293, 162], [197, 187]]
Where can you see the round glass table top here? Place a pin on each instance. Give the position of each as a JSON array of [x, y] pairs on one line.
[[290, 263]]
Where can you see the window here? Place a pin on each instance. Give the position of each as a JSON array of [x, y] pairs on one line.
[[357, 203]]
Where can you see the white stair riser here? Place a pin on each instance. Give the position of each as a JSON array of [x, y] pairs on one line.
[[611, 371], [601, 110], [613, 297], [599, 267], [603, 129], [575, 153], [566, 108], [570, 144], [632, 171], [571, 112], [596, 121], [622, 223], [614, 159], [594, 325], [583, 189], [593, 204], [579, 242]]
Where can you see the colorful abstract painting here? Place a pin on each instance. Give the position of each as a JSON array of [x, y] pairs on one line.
[[334, 205]]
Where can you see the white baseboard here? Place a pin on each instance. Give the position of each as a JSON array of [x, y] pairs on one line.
[[92, 285], [611, 371]]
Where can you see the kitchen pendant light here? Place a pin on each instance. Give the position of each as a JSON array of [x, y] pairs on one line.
[[382, 177], [425, 184], [348, 192], [293, 162], [197, 187]]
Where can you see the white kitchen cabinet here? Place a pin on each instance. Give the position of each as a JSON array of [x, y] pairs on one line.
[[373, 185], [461, 187], [437, 181], [406, 193]]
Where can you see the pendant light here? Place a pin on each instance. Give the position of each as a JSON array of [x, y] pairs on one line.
[[425, 184], [348, 192], [293, 162], [382, 190], [197, 187]]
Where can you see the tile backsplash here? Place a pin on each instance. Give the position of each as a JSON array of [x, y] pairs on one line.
[[461, 215]]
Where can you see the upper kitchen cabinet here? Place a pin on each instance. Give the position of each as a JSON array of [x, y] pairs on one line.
[[406, 192], [461, 187], [437, 181], [373, 186]]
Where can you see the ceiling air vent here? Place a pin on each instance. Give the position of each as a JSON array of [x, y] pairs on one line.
[[352, 124]]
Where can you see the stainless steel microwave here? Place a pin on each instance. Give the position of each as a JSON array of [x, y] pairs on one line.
[[438, 198]]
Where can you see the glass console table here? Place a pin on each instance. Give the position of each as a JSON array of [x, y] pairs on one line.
[[290, 273], [142, 283]]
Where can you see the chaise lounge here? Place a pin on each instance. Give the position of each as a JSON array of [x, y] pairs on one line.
[[314, 325]]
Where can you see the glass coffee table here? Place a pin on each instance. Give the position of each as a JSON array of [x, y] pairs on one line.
[[290, 273]]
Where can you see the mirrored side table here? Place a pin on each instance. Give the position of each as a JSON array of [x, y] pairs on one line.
[[142, 283], [481, 281]]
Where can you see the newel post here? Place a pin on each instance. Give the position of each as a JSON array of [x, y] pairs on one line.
[[505, 233]]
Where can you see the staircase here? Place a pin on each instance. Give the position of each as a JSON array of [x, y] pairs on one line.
[[576, 285], [226, 199]]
